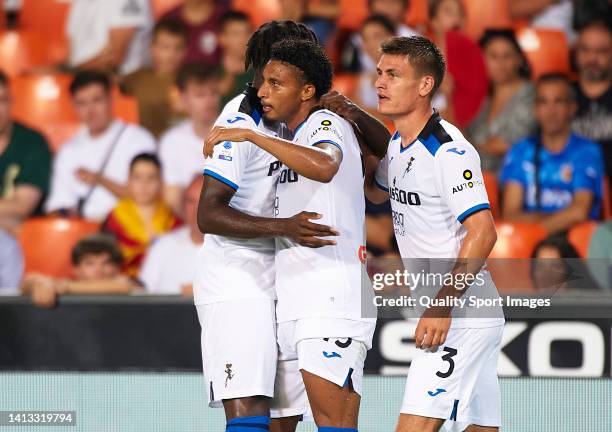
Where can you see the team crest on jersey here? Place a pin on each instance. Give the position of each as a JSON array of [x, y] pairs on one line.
[[566, 173]]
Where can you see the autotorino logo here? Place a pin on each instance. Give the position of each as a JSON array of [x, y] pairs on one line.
[[469, 184]]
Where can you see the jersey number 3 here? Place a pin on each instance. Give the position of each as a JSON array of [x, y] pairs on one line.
[[448, 357]]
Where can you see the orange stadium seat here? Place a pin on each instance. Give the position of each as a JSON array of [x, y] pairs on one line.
[[492, 187], [517, 239], [580, 237], [345, 84], [160, 7], [260, 11], [418, 14], [49, 18], [546, 50], [48, 242], [483, 14], [21, 51], [44, 103]]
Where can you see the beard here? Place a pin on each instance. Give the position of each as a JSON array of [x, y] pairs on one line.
[[595, 73]]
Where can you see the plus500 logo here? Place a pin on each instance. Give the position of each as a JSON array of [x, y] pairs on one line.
[[403, 197]]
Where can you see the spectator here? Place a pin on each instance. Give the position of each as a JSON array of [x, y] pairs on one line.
[[557, 266], [25, 165], [507, 113], [169, 267], [319, 15], [594, 87], [236, 29], [203, 21], [96, 262], [549, 14], [90, 170], [181, 147], [152, 86], [555, 177], [600, 255], [143, 215], [465, 85], [11, 263], [375, 30], [109, 35], [586, 11]]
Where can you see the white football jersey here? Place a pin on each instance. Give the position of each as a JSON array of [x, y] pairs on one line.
[[434, 184], [324, 282], [235, 268]]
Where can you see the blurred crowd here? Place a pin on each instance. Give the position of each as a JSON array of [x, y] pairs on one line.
[[533, 93]]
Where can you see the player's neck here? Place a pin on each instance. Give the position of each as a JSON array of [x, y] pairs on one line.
[[556, 142], [411, 124], [301, 115]]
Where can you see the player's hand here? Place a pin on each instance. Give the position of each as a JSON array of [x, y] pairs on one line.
[[432, 328], [339, 104], [301, 230], [87, 176], [221, 134]]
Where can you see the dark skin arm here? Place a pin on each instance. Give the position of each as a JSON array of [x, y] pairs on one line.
[[481, 236], [215, 216], [371, 131]]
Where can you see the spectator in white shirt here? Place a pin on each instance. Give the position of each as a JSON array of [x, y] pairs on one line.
[[180, 149], [110, 35], [91, 169], [170, 263]]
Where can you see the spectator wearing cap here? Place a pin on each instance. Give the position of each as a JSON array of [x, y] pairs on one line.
[[96, 263], [506, 114], [25, 165], [553, 178], [91, 169], [170, 264], [143, 215], [152, 86], [109, 35]]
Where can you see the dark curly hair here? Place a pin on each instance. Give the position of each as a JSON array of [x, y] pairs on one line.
[[258, 47], [308, 57]]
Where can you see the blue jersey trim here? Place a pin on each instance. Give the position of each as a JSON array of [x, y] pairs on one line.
[[221, 179], [256, 115], [328, 142], [463, 216], [395, 136], [431, 144], [381, 186]]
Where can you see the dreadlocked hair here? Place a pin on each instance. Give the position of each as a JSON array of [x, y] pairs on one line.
[[260, 43]]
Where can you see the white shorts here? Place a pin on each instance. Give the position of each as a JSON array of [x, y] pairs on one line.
[[239, 351], [458, 381], [336, 359]]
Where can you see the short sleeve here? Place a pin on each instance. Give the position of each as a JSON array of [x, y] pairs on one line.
[[129, 13], [324, 128], [230, 158], [381, 177], [589, 171], [459, 179], [512, 169]]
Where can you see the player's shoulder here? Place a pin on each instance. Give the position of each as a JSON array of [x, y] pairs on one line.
[[326, 122], [444, 140], [242, 111]]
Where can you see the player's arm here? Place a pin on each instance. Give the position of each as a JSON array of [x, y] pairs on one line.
[[216, 216], [319, 162], [370, 130], [375, 186]]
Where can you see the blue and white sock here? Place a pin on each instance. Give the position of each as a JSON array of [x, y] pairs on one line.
[[249, 424]]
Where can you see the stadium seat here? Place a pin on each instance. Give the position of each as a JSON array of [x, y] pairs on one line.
[[517, 239], [417, 16], [352, 14], [44, 102], [160, 7], [492, 187], [580, 237], [345, 84], [48, 242], [49, 18], [483, 14], [260, 11], [21, 51], [546, 50]]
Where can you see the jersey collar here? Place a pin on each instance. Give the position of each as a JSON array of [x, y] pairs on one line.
[[428, 129]]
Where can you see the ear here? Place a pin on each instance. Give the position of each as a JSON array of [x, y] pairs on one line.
[[308, 92], [426, 85]]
